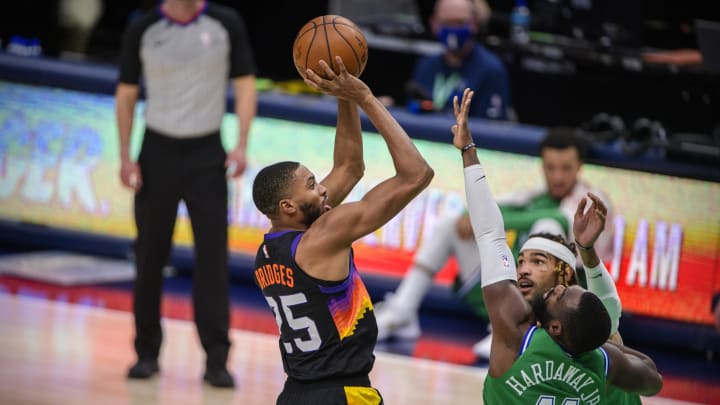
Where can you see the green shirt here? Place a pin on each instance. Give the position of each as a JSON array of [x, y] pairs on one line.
[[616, 396], [519, 219], [545, 374]]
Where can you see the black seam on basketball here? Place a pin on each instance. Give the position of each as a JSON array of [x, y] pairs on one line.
[[327, 44], [301, 33], [352, 48], [309, 46], [346, 25], [353, 26], [299, 37]]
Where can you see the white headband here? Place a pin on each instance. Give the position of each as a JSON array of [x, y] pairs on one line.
[[556, 249]]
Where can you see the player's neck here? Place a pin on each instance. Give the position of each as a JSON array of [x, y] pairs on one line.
[[182, 10], [280, 226]]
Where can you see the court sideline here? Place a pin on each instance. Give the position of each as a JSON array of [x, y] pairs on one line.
[[68, 343]]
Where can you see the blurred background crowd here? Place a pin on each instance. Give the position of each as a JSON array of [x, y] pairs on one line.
[[628, 59]]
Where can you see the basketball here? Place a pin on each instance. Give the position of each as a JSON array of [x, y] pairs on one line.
[[324, 38]]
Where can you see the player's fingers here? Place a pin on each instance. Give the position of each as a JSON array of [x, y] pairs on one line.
[[467, 98], [581, 208], [310, 82], [311, 75], [600, 215], [599, 204], [467, 94], [340, 64], [456, 107], [326, 69]]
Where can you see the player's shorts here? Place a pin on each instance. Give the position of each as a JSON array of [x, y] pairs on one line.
[[329, 394]]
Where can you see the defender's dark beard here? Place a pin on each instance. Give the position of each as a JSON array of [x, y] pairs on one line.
[[538, 306], [310, 213]]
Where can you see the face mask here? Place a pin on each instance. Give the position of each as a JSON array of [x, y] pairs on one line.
[[454, 37]]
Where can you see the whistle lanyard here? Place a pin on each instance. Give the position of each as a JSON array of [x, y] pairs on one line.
[[443, 88]]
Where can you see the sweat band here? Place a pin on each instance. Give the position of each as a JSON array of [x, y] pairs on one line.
[[601, 284], [554, 248]]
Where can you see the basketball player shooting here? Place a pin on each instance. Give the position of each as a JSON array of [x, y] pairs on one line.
[[304, 265], [566, 359]]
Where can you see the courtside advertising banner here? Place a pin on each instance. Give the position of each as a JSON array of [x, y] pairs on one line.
[[59, 167]]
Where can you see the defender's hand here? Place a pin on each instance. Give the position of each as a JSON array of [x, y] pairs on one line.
[[461, 132], [589, 224]]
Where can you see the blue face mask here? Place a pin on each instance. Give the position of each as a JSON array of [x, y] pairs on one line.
[[454, 38]]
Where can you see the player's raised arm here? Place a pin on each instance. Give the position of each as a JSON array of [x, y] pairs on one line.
[[348, 165], [509, 313], [588, 224], [347, 223]]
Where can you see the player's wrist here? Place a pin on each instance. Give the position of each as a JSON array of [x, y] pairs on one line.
[[583, 247], [467, 147]]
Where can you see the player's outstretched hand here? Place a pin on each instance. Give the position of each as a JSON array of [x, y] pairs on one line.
[[460, 130], [343, 85], [589, 222]]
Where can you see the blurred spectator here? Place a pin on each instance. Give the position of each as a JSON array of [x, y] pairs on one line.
[[77, 18], [464, 63]]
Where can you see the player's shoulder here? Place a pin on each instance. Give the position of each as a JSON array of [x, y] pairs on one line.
[[143, 21], [328, 231]]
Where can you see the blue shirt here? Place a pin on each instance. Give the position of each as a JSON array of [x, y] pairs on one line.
[[482, 71]]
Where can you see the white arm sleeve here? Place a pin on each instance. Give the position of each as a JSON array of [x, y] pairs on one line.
[[496, 260], [601, 284]]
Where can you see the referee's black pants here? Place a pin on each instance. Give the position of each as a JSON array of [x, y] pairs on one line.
[[192, 170]]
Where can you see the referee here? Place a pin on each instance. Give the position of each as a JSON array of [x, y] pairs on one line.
[[186, 51]]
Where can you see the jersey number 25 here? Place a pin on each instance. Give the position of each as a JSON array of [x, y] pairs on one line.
[[313, 341]]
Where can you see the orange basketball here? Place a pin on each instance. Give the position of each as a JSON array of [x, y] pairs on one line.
[[324, 38]]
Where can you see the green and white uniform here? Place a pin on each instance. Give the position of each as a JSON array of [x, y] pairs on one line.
[[545, 374], [616, 396]]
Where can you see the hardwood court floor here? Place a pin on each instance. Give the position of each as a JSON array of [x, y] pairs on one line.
[[53, 352]]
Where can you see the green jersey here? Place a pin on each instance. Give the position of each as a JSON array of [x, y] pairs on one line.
[[545, 374], [616, 396]]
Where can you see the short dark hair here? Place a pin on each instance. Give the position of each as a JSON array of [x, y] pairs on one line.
[[271, 185], [587, 327], [563, 138]]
